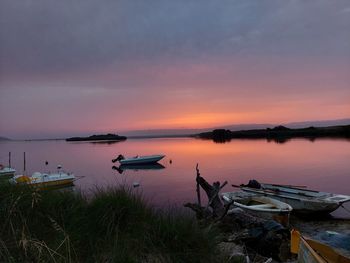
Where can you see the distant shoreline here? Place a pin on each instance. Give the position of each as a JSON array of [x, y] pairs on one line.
[[221, 134], [278, 133], [100, 137]]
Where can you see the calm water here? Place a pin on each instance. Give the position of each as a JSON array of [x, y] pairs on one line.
[[321, 165]]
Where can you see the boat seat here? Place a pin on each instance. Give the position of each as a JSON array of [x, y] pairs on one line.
[[263, 206]]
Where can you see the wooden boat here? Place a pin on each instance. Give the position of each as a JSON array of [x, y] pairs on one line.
[[138, 159], [313, 251], [302, 200], [260, 206], [45, 180]]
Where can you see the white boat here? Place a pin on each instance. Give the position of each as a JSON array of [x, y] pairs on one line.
[[6, 171], [302, 200], [45, 180], [138, 159], [260, 206]]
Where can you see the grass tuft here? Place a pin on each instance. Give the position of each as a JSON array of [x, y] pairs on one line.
[[114, 225]]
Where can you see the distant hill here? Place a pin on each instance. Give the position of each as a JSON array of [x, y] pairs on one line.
[[186, 132], [4, 139], [163, 132], [325, 123], [239, 127], [100, 137], [279, 133], [232, 127]]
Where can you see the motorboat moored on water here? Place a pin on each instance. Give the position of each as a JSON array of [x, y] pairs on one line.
[[260, 206], [302, 200], [6, 171], [138, 159]]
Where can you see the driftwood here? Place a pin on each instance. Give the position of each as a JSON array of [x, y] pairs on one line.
[[266, 237]]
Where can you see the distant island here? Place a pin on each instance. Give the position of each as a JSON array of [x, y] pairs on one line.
[[4, 139], [278, 133], [100, 137]]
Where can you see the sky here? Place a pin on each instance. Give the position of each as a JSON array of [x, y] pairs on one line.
[[86, 66]]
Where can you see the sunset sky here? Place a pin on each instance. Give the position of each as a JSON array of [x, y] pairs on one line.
[[77, 67]]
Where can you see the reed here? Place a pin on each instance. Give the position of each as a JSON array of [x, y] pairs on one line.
[[112, 225]]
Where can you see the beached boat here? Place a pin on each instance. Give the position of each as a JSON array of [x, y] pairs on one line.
[[303, 201], [43, 180], [138, 159], [260, 206], [314, 251], [6, 171]]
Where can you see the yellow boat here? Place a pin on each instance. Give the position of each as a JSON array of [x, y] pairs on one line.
[[312, 251], [45, 180]]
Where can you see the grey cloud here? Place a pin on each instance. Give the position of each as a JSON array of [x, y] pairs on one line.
[[48, 35]]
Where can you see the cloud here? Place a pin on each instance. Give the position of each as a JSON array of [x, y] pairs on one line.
[[51, 36], [122, 63]]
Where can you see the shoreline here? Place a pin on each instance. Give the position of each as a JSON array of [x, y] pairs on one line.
[[278, 133]]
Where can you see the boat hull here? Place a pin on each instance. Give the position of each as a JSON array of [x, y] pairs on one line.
[[264, 207], [6, 172], [281, 217], [142, 160], [300, 205], [43, 181], [314, 251], [53, 183]]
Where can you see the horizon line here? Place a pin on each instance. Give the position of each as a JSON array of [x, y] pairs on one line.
[[224, 126]]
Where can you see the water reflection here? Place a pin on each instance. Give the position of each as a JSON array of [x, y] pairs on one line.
[[322, 165], [277, 140], [136, 167], [70, 187], [105, 142]]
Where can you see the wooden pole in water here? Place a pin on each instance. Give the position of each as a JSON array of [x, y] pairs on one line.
[[24, 162], [10, 159], [198, 189]]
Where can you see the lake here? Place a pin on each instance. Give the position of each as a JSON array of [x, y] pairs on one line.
[[322, 164]]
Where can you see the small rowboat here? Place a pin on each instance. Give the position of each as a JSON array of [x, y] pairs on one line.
[[45, 180], [260, 206], [303, 201], [138, 159]]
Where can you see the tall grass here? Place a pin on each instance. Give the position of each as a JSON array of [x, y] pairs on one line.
[[114, 225]]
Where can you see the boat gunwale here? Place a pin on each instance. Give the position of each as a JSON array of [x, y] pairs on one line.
[[302, 192], [324, 197], [142, 159], [291, 187], [302, 198]]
